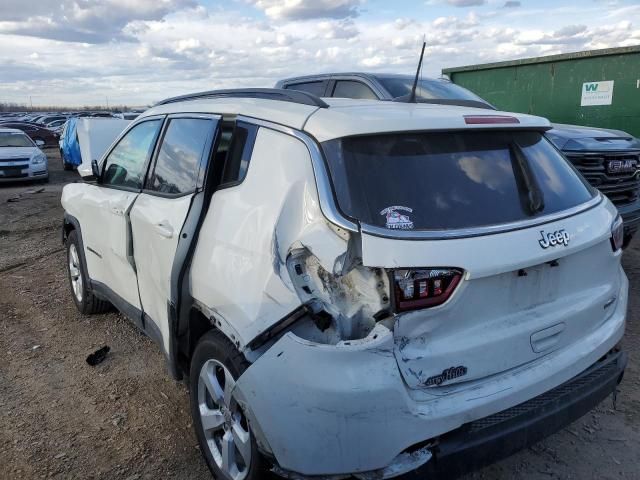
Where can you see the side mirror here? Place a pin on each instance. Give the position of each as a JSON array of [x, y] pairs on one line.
[[40, 143], [95, 170]]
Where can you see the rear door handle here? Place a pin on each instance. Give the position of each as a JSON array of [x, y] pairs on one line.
[[164, 230]]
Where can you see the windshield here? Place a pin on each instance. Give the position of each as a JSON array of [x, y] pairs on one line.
[[433, 181], [17, 139], [428, 89]]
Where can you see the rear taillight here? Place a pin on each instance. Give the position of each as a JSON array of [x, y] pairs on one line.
[[617, 234], [414, 289]]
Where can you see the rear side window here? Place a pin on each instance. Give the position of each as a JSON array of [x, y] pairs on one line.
[[352, 89], [432, 181], [239, 153], [178, 164], [315, 88]]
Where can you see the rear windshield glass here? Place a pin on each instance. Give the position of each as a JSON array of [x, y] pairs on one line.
[[429, 89], [430, 181], [10, 139]]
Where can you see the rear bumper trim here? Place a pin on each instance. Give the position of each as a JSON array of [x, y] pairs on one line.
[[492, 438]]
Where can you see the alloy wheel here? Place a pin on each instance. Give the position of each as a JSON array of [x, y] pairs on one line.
[[74, 272], [226, 429]]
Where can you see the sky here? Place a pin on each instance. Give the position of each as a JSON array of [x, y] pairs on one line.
[[136, 52]]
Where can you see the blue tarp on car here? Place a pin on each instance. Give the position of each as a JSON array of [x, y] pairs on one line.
[[70, 145]]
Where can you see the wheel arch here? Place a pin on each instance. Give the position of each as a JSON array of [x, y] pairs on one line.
[[69, 223]]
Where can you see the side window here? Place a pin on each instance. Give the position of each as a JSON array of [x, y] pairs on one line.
[[352, 89], [178, 164], [237, 161], [125, 165], [315, 88]]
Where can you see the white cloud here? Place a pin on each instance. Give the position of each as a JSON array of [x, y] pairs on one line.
[[343, 29], [402, 23], [88, 21], [308, 9], [466, 3], [374, 61], [144, 52]]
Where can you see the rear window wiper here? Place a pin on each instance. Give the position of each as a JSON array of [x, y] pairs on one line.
[[530, 192]]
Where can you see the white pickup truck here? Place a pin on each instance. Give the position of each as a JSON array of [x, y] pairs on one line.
[[353, 287]]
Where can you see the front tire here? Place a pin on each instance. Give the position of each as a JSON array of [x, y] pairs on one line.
[[223, 431], [86, 302]]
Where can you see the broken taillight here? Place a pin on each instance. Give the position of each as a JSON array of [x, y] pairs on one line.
[[415, 289]]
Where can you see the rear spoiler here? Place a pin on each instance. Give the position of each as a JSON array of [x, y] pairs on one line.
[[448, 101]]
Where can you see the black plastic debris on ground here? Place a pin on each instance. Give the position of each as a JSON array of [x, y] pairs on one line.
[[18, 197], [98, 356]]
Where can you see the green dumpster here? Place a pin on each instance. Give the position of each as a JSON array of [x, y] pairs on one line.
[[598, 88]]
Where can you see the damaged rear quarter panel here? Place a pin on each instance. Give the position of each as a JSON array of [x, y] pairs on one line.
[[322, 408], [238, 271]]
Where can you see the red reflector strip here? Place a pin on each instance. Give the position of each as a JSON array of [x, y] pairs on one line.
[[488, 119]]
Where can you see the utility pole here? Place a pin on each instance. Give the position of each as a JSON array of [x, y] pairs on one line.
[[31, 101], [107, 101]]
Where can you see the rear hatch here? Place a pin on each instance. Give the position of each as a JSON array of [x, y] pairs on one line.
[[529, 239]]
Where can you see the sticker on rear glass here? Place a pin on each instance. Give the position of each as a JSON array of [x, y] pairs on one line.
[[397, 220]]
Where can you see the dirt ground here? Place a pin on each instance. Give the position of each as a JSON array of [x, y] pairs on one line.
[[126, 419]]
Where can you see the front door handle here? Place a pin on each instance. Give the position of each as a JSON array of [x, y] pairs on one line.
[[164, 230]]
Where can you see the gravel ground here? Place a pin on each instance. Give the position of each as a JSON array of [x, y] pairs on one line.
[[126, 419]]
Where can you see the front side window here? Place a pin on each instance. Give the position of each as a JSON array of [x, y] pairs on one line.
[[125, 165], [352, 89], [434, 181], [178, 163]]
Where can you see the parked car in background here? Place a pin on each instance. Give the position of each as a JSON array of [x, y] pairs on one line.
[[608, 159], [45, 120], [20, 157], [127, 115], [69, 146], [53, 124], [355, 288], [35, 131]]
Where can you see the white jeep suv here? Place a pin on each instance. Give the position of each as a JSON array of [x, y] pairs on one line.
[[352, 287]]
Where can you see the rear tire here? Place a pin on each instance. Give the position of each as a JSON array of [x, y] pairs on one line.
[[227, 444], [86, 302], [65, 166]]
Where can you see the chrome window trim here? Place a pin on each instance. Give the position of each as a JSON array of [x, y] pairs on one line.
[[480, 231], [325, 192]]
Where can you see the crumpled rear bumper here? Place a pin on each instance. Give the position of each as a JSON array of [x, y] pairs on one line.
[[334, 410], [492, 438]]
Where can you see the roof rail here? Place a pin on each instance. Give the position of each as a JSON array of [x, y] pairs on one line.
[[293, 96]]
